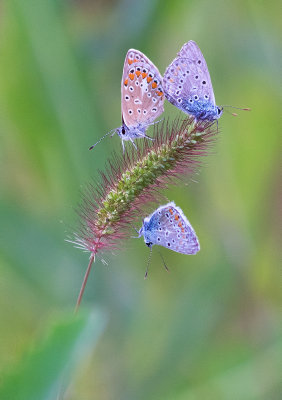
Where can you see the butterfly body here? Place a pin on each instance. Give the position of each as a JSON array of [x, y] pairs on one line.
[[168, 227], [201, 109], [188, 86], [134, 132]]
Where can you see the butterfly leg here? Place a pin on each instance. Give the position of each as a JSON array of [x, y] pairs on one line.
[[143, 135], [132, 141], [148, 137], [122, 143], [148, 263], [163, 261]]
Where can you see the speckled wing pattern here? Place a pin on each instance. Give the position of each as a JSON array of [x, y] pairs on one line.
[[187, 78], [171, 229], [142, 95]]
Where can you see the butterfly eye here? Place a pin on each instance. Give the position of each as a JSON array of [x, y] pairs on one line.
[[123, 130]]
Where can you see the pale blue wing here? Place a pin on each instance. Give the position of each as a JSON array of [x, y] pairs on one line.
[[168, 227]]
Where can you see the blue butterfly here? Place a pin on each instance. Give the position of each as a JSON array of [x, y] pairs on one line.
[[167, 226]]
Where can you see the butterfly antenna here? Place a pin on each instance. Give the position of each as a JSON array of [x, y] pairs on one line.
[[148, 263], [112, 132], [237, 108], [166, 267]]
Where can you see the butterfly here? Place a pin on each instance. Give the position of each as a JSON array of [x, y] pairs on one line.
[[188, 86], [142, 97], [167, 226]]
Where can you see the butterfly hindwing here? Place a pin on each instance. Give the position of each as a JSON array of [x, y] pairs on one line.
[[192, 52], [168, 227], [188, 86], [142, 95]]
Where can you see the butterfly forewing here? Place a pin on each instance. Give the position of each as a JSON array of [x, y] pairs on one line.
[[171, 229], [142, 94]]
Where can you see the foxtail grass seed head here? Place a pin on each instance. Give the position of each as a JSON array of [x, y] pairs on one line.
[[109, 208]]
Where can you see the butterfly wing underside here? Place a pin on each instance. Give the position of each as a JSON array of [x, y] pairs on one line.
[[187, 77], [173, 230], [142, 95]]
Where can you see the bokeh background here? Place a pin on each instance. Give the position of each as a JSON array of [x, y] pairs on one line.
[[210, 329]]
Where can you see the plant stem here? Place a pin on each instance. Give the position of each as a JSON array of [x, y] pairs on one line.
[[91, 260]]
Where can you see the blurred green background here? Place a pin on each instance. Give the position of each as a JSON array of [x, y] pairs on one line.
[[210, 329]]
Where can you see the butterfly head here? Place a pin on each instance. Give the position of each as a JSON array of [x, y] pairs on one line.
[[122, 132], [219, 111], [145, 232]]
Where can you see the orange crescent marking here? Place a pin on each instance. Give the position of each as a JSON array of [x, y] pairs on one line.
[[149, 79], [131, 76], [154, 85], [176, 217], [170, 210], [138, 73], [144, 74], [130, 61], [159, 93], [180, 224], [126, 82]]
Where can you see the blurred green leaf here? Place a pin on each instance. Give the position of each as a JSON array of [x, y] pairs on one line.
[[47, 369]]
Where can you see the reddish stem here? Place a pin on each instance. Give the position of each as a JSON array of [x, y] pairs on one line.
[[92, 258]]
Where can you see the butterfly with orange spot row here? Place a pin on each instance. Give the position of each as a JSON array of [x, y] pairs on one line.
[[142, 97]]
